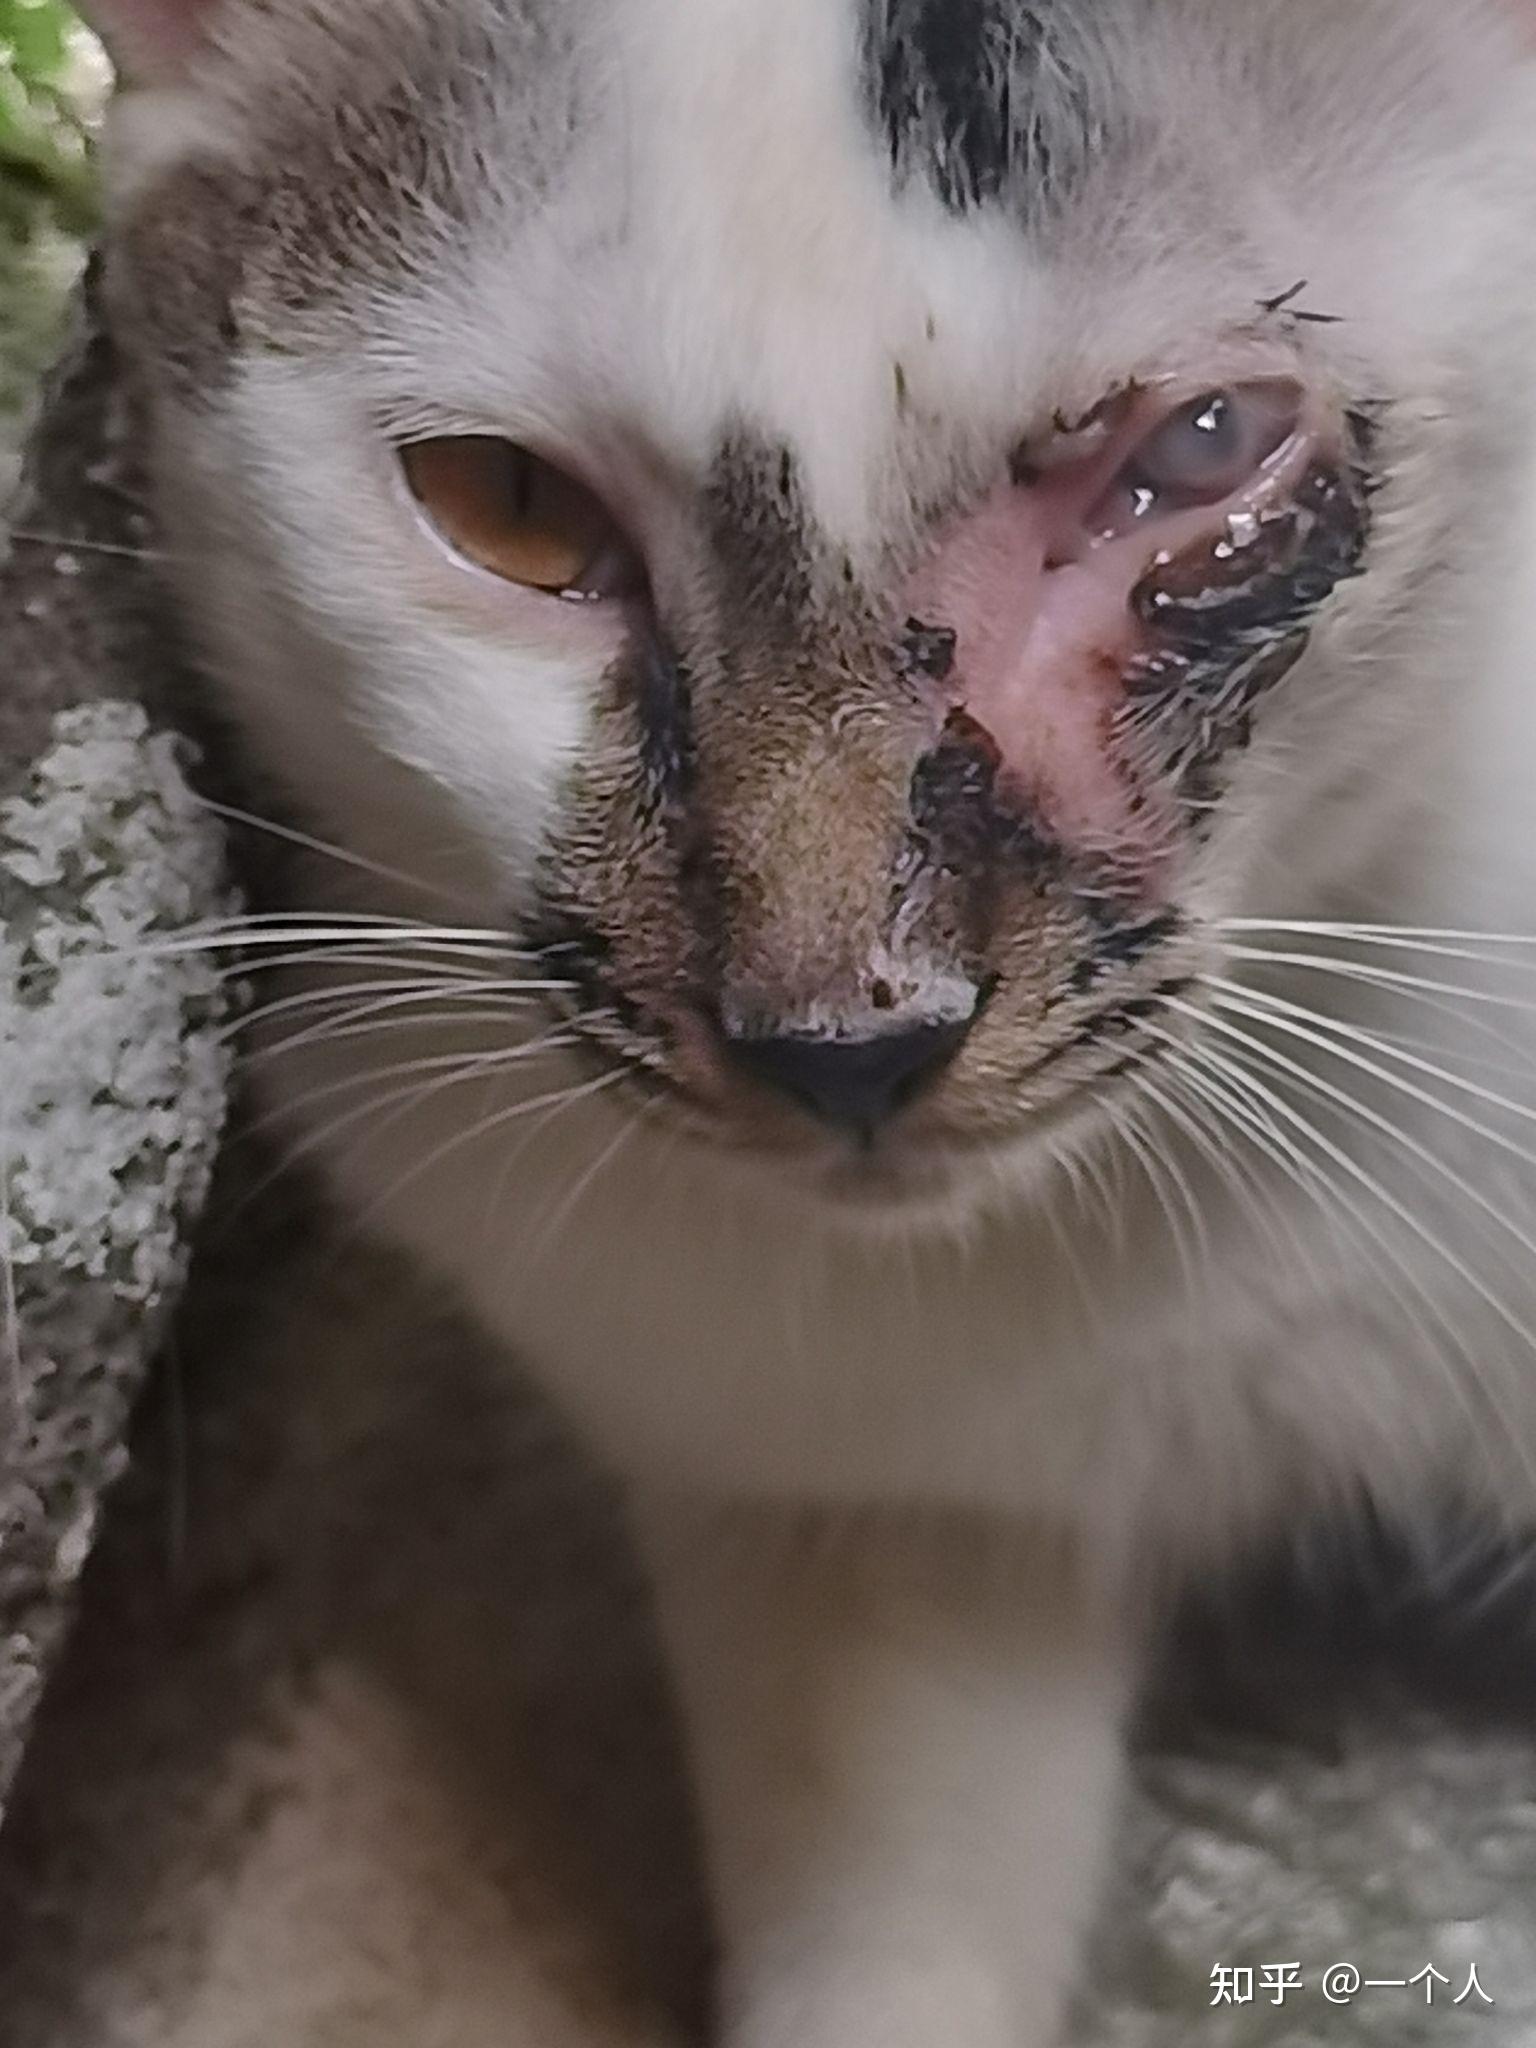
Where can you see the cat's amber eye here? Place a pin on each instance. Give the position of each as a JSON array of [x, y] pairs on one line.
[[510, 512]]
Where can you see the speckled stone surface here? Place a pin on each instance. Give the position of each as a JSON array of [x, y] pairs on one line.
[[112, 1073], [1324, 1886]]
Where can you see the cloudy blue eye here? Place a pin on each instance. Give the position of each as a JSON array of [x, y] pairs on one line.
[[1205, 443], [1208, 449]]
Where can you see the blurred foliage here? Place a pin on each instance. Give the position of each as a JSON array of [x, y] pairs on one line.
[[51, 82], [44, 172]]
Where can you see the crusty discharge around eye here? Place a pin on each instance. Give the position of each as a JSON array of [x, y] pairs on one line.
[[1089, 651]]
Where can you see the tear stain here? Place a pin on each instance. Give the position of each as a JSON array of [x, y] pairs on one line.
[[1263, 572], [927, 651], [663, 699], [954, 807], [965, 837], [1036, 655], [1229, 618]]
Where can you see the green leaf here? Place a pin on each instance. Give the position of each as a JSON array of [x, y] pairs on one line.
[[36, 35], [44, 173], [47, 188]]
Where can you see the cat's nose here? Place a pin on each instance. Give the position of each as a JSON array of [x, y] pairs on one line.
[[857, 1083]]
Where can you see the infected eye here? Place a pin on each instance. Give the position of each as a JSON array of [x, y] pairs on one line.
[[1202, 453], [512, 513]]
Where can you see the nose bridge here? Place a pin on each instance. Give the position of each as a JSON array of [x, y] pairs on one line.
[[807, 776], [817, 701]]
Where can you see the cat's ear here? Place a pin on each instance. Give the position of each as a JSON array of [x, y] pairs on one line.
[[150, 41]]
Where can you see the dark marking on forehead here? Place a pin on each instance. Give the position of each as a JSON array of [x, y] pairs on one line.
[[985, 99], [765, 550]]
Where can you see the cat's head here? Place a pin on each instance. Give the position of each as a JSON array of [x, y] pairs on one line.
[[863, 529]]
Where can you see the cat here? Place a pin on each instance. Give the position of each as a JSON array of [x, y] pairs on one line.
[[913, 618]]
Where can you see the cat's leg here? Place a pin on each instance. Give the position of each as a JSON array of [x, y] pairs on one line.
[[906, 1749]]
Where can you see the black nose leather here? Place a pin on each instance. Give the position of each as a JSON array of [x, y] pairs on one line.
[[855, 1082]]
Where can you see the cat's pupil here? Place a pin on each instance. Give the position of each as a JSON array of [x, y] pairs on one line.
[[521, 483]]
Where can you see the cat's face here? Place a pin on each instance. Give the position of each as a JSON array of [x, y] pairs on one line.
[[862, 528]]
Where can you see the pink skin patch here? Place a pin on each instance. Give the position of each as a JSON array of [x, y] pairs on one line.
[[1037, 586]]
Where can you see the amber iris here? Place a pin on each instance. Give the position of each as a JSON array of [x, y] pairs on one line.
[[518, 516]]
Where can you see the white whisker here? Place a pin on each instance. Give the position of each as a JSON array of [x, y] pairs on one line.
[[298, 944], [445, 1003], [441, 1073], [1164, 1172], [1405, 1048], [1410, 938], [374, 1021], [471, 1063], [1439, 999], [1315, 1086], [570, 1203], [1067, 1159], [293, 835], [69, 544], [1207, 1090], [1384, 977], [1309, 1175], [1227, 1170], [552, 1103], [1287, 1019]]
